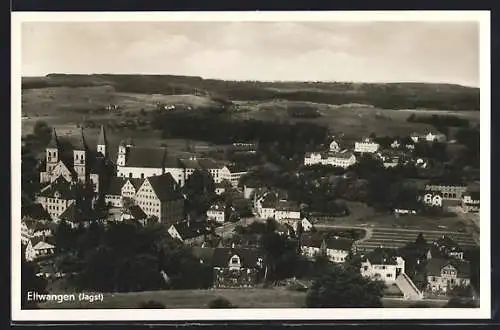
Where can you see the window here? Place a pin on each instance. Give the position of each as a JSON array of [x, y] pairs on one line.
[[389, 275], [234, 260], [142, 175], [130, 174]]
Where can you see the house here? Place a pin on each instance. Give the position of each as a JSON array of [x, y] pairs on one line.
[[311, 245], [133, 212], [220, 188], [404, 210], [415, 137], [435, 137], [35, 212], [286, 210], [37, 248], [236, 267], [366, 146], [44, 229], [382, 264], [470, 202], [294, 223], [235, 174], [76, 162], [337, 249], [266, 205], [249, 190], [445, 274], [217, 212], [334, 146], [342, 159], [450, 191], [189, 231], [445, 247], [57, 196], [26, 233], [160, 197], [432, 199], [395, 144], [113, 195]]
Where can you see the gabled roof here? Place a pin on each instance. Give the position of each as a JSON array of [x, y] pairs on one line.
[[136, 182], [43, 245], [35, 211], [270, 200], [435, 265], [115, 186], [64, 188], [136, 212], [165, 187], [237, 168], [191, 229], [337, 243], [381, 256], [52, 226], [287, 206], [248, 257], [312, 240], [146, 157]]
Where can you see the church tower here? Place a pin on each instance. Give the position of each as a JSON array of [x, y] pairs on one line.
[[123, 151], [102, 142], [79, 157], [52, 152]]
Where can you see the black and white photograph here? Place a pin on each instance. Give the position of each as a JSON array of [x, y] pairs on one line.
[[250, 166]]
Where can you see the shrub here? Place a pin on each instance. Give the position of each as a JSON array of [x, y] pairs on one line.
[[220, 302]]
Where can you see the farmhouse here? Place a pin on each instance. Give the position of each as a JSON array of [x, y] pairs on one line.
[[286, 210], [113, 195], [57, 196], [236, 267], [470, 202], [435, 137], [35, 212], [133, 212], [311, 245], [443, 275]]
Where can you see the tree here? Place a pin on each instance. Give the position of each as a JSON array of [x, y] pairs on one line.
[[460, 303], [42, 132], [200, 191], [344, 288], [462, 291]]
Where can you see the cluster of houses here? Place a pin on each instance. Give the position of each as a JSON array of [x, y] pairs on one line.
[[445, 195], [344, 158]]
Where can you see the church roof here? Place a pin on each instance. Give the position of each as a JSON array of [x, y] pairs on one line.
[[102, 140], [54, 140], [80, 144], [146, 157]]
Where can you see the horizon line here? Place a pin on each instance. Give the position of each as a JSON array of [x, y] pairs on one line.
[[253, 80]]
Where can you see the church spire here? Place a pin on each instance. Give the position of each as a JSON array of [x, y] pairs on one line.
[[54, 140], [102, 137], [81, 143]]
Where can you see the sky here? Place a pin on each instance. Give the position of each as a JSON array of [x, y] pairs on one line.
[[434, 52]]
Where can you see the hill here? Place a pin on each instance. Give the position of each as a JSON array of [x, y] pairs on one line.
[[384, 96]]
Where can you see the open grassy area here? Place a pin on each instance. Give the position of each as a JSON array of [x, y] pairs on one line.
[[242, 298]]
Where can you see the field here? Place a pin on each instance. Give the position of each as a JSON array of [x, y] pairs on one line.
[[241, 298], [59, 105]]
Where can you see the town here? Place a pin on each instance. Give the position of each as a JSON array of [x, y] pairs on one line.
[[272, 212]]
